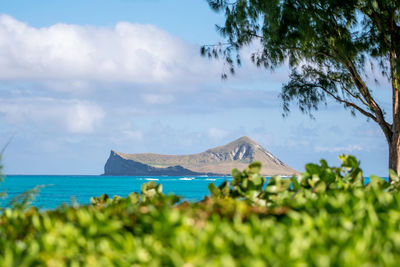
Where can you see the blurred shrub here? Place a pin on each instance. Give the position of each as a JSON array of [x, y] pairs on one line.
[[325, 217]]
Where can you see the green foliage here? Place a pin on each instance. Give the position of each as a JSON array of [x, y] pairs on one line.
[[23, 200], [2, 193], [325, 217], [326, 43], [249, 184]]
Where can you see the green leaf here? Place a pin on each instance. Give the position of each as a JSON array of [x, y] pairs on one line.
[[312, 168], [134, 198], [257, 179], [255, 167], [349, 161], [214, 191], [394, 176], [276, 184], [295, 183], [320, 187], [236, 174], [376, 182]]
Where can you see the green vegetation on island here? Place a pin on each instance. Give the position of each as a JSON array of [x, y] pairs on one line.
[[327, 216]]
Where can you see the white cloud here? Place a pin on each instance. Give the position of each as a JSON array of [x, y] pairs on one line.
[[74, 116], [217, 133], [342, 149], [157, 99], [128, 52], [82, 118]]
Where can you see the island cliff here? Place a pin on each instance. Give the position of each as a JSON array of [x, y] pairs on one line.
[[216, 161]]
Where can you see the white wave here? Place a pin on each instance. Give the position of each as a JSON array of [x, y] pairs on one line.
[[210, 179], [186, 178], [151, 179]]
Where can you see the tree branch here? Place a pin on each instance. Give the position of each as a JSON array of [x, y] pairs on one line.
[[348, 104]]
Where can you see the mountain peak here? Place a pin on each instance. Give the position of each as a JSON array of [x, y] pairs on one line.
[[244, 139], [241, 149]]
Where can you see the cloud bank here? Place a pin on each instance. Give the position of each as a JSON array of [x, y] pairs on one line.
[[73, 116], [132, 53]]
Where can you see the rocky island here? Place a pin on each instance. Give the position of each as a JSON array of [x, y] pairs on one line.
[[218, 161]]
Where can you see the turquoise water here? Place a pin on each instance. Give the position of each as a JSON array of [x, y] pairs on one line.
[[60, 189]]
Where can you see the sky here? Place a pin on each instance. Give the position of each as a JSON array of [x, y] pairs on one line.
[[79, 78]]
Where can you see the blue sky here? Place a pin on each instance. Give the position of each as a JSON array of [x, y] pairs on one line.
[[79, 78]]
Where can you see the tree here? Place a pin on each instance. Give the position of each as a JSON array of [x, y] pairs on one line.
[[328, 44]]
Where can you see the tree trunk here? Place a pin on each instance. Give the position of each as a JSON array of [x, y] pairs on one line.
[[394, 153], [394, 143]]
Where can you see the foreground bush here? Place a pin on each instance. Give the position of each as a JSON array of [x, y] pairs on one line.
[[325, 217]]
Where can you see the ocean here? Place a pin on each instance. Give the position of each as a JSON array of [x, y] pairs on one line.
[[59, 189]]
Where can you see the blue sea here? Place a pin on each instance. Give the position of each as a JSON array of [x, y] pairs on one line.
[[61, 189]]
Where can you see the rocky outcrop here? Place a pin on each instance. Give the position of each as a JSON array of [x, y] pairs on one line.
[[216, 161], [119, 166]]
